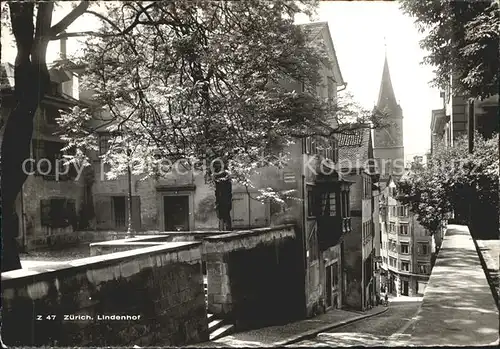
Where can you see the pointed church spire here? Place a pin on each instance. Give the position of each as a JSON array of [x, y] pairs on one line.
[[386, 97]]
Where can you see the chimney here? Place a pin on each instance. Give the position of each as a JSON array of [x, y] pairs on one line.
[[62, 46]]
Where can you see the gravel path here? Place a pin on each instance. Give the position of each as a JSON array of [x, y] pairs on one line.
[[68, 254]]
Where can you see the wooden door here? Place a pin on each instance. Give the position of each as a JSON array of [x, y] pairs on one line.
[[176, 212], [328, 286]]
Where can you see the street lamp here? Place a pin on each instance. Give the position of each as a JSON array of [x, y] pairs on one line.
[[130, 231]]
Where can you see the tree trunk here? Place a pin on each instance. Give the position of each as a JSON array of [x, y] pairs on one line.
[[31, 82], [15, 149], [471, 128], [32, 79], [223, 200], [130, 230]]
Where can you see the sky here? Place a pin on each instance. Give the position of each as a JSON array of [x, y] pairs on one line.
[[359, 30]]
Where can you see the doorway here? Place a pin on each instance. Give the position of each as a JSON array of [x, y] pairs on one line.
[[405, 288], [328, 285], [119, 205], [176, 212]]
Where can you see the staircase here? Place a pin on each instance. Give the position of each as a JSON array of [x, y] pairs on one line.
[[217, 328]]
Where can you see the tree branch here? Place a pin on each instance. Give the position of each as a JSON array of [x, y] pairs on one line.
[[43, 19], [80, 34], [70, 18]]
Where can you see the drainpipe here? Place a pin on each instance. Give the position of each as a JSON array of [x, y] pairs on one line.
[[304, 247], [249, 212], [304, 233], [471, 144]]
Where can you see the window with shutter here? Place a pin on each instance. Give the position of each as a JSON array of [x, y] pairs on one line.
[[104, 139], [312, 202], [240, 210], [308, 145], [405, 248], [136, 213], [258, 212], [313, 246], [103, 212], [314, 146], [45, 213]]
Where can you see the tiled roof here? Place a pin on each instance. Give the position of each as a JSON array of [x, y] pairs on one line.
[[354, 147], [352, 139]]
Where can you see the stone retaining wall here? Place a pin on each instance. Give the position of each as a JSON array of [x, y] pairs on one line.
[[160, 288], [255, 277]]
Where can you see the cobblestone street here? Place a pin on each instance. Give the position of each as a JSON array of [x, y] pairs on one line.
[[381, 330]]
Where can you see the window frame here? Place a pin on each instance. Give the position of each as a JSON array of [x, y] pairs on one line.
[[403, 244], [311, 201], [400, 230], [421, 246], [426, 268], [104, 138]]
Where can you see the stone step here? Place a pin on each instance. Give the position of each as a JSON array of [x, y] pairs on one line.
[[210, 316], [214, 325], [221, 332]]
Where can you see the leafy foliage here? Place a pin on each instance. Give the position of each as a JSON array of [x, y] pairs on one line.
[[206, 208], [450, 178], [462, 38], [207, 80]]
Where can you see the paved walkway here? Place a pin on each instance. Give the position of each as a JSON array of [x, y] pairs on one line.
[[293, 332], [490, 250], [373, 331], [458, 308]]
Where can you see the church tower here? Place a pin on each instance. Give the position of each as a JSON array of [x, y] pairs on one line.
[[388, 146]]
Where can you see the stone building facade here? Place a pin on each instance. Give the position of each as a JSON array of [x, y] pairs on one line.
[[407, 249], [358, 166], [53, 195], [318, 204]]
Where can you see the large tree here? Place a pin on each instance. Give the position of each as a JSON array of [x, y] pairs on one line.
[[32, 27], [450, 181], [208, 81], [166, 49], [462, 37]]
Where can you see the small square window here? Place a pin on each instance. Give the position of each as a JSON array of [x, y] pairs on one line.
[[104, 143], [405, 248]]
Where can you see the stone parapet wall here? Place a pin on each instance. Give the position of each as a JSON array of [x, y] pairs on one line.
[[255, 277], [53, 241], [140, 241], [160, 288]]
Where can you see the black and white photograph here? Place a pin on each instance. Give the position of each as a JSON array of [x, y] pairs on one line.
[[253, 173]]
